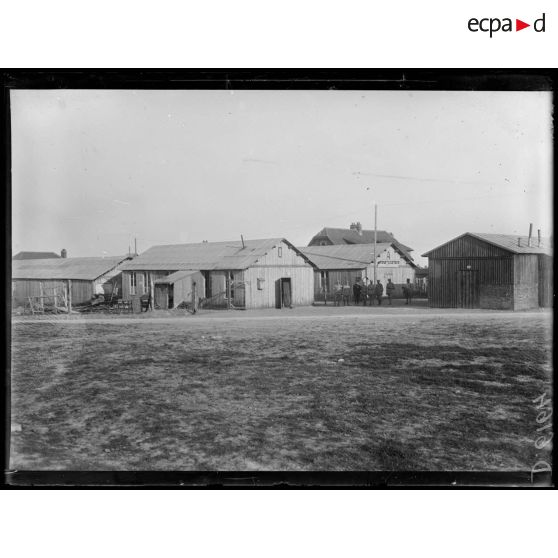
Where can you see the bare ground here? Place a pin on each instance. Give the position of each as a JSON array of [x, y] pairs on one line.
[[308, 389]]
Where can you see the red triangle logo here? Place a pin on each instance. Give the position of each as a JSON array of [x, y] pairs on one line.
[[519, 25]]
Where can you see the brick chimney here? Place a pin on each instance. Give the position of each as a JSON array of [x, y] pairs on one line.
[[356, 227], [63, 253]]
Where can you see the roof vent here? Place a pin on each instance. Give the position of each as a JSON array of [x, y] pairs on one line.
[[63, 253], [519, 241]]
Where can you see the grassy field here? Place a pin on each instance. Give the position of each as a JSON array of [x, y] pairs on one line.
[[322, 391]]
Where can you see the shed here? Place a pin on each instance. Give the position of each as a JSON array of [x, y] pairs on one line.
[[347, 263], [493, 271], [263, 273], [177, 288], [81, 277]]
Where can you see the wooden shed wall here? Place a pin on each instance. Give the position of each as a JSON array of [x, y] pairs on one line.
[[468, 247], [183, 288], [545, 281], [526, 281], [273, 267], [495, 277], [302, 285], [82, 291]]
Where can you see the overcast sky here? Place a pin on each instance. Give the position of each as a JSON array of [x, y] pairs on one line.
[[93, 169]]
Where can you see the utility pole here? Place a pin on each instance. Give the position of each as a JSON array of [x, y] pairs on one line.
[[375, 236]]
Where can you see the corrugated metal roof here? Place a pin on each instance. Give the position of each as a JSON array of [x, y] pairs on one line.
[[65, 268], [351, 236], [205, 256], [176, 276], [347, 256], [34, 255], [507, 242]]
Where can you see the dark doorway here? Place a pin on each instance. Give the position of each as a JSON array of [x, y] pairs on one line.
[[468, 282], [283, 293]]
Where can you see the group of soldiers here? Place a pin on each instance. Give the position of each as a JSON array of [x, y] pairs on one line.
[[366, 292]]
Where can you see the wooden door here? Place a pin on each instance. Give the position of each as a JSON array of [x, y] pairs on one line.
[[468, 280], [239, 294], [161, 296], [278, 294]]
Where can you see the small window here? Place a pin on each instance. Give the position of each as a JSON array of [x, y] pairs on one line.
[[280, 252], [260, 283]]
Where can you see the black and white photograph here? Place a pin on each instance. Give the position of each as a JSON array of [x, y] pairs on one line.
[[281, 279]]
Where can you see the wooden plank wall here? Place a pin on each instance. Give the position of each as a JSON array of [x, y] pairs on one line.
[[443, 280], [468, 247], [82, 291], [183, 288], [302, 285], [526, 282], [272, 267], [545, 281], [495, 272]]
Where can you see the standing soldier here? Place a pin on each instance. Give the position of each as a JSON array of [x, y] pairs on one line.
[[363, 291], [390, 287], [379, 291], [346, 293], [408, 290], [370, 293], [357, 288], [337, 293]]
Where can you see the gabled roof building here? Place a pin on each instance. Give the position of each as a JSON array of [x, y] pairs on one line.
[[496, 271], [263, 273], [83, 277], [347, 263]]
